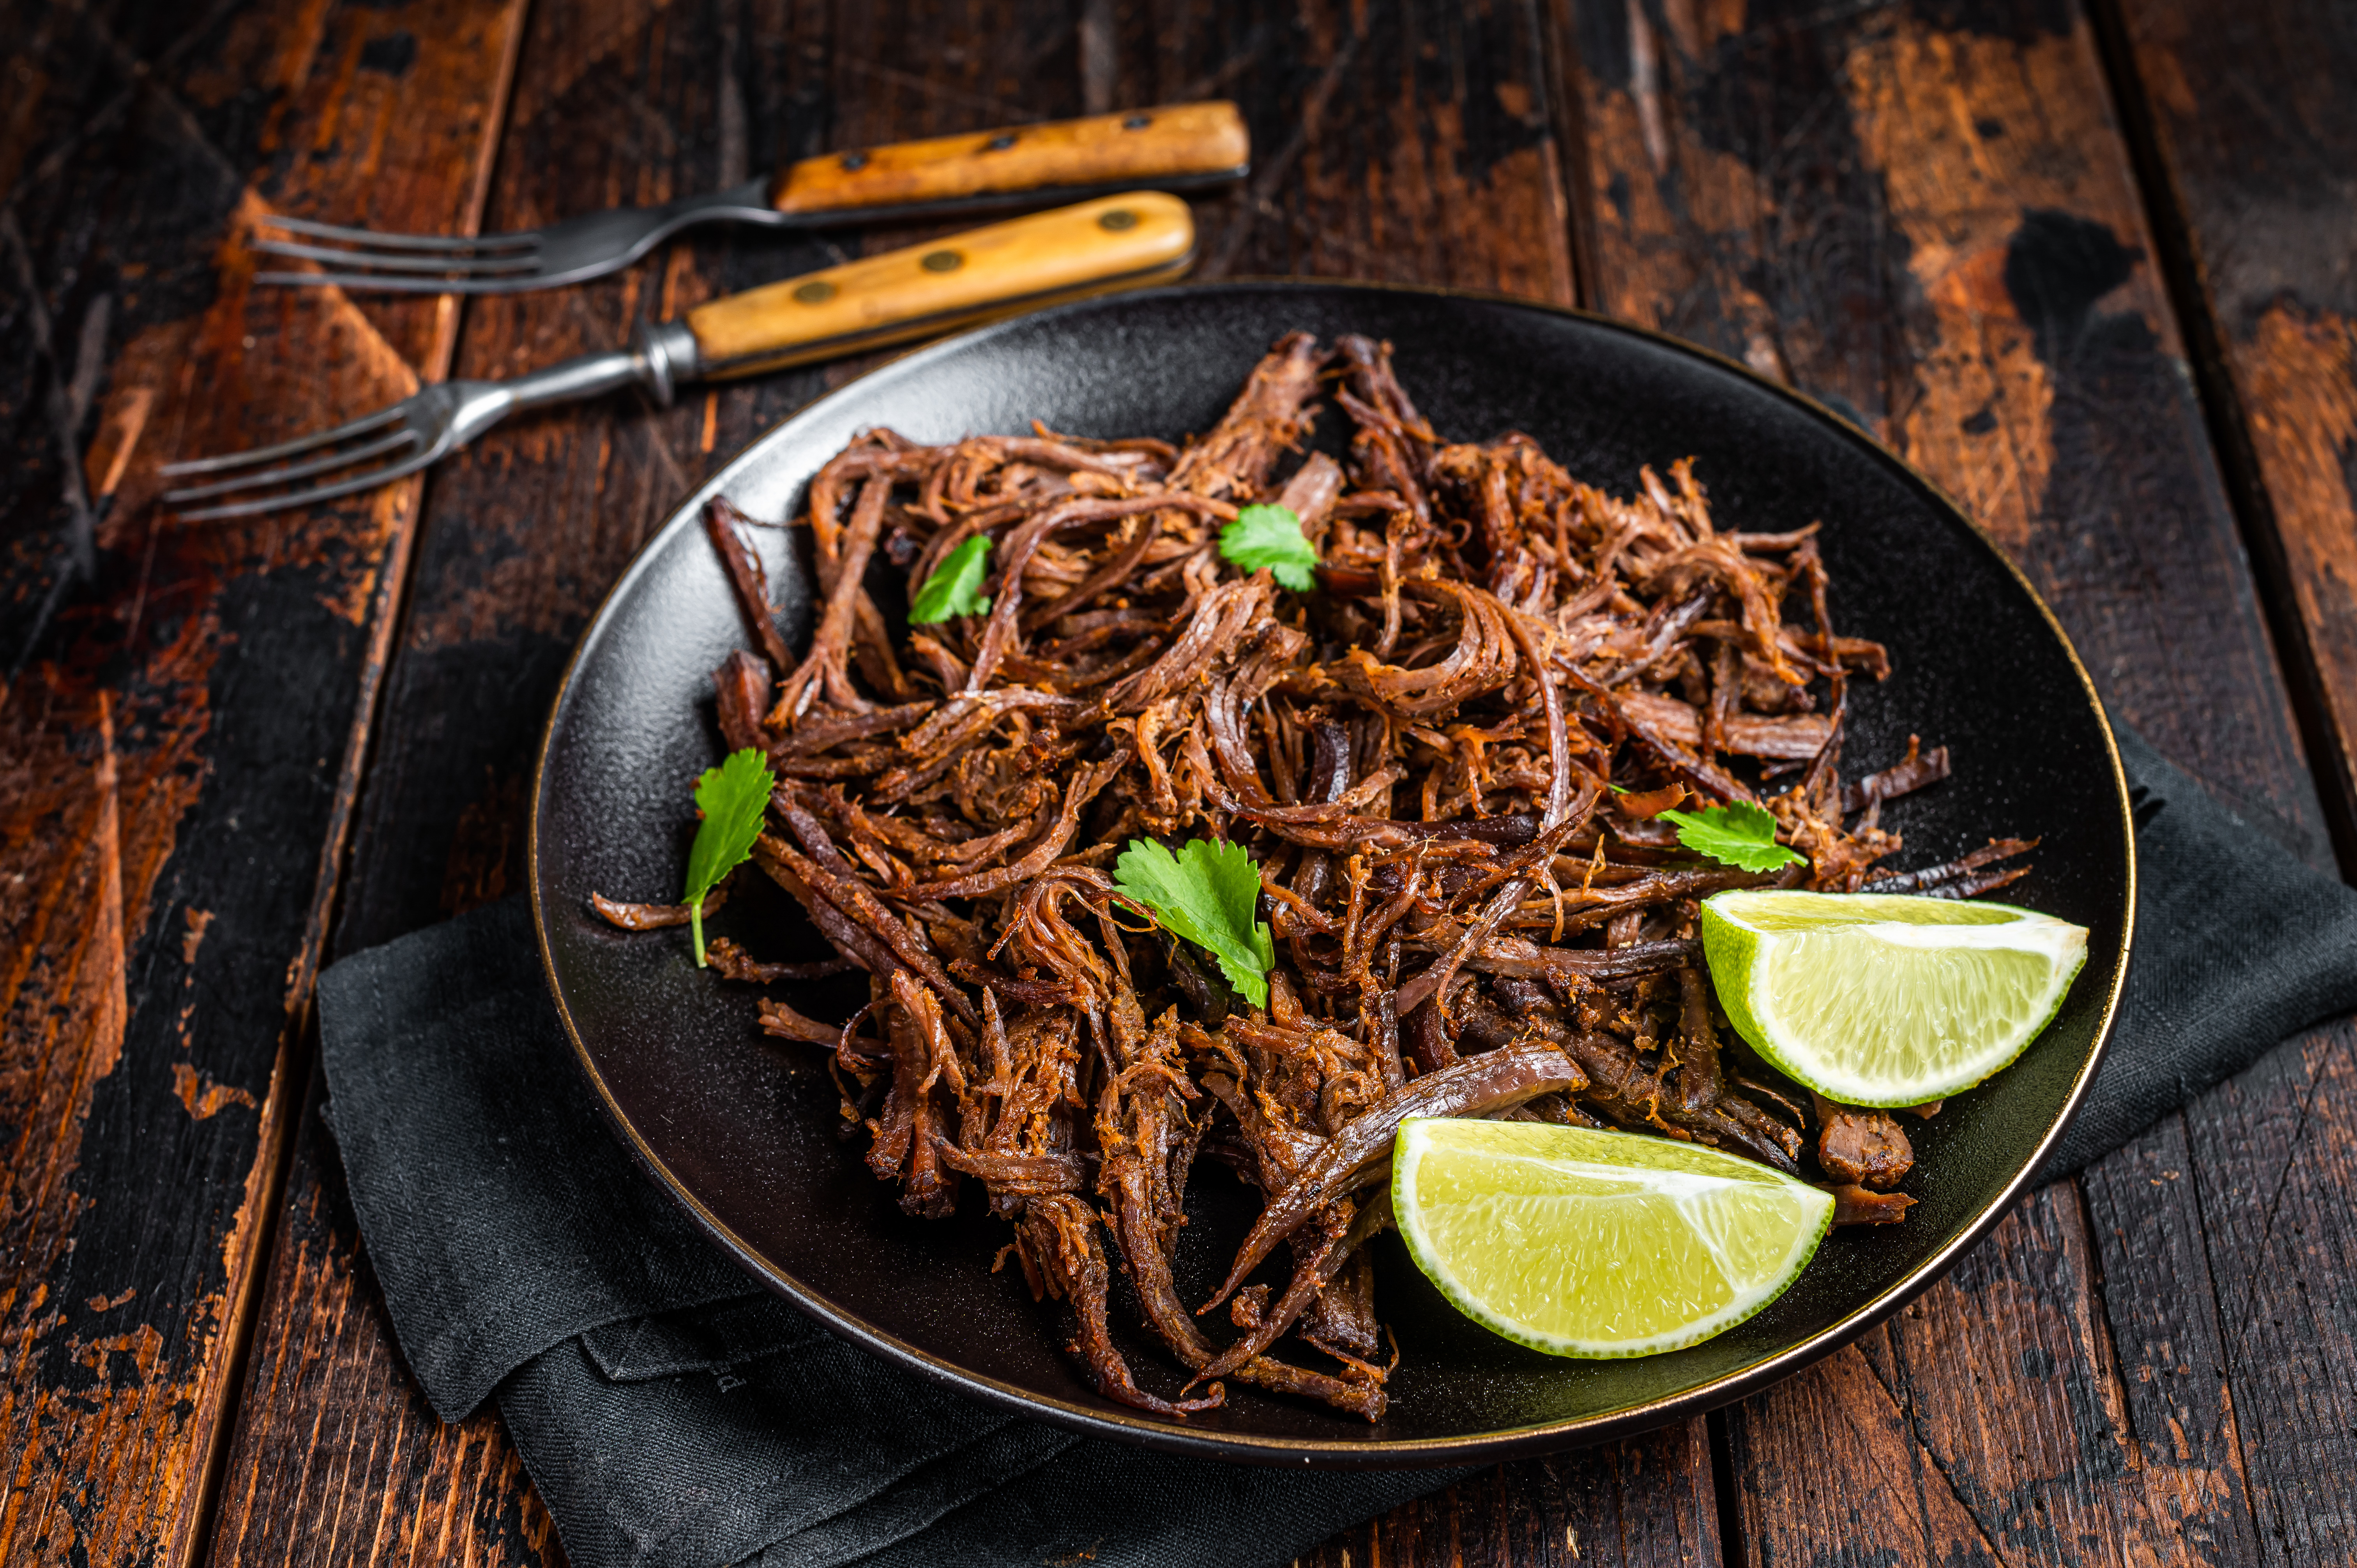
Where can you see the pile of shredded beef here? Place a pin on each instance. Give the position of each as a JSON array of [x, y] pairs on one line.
[[1422, 755]]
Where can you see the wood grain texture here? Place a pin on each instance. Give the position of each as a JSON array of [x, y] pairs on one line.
[[945, 285], [1645, 1501], [525, 531], [1924, 215], [185, 708], [2273, 1156], [1404, 142], [615, 102], [1921, 211], [1146, 147], [2256, 139]]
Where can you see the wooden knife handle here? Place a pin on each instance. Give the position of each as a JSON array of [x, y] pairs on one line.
[[1112, 243], [1176, 142]]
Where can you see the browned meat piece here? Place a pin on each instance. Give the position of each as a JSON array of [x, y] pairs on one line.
[[1855, 1205], [1058, 1236], [1791, 738], [1475, 1087], [1568, 966], [1910, 773], [825, 670], [652, 917], [833, 878], [842, 933], [1634, 1093], [1234, 459], [1862, 1147], [1341, 1321], [1315, 1267], [735, 963], [745, 575], [742, 684], [1309, 495], [784, 1023], [1963, 878]]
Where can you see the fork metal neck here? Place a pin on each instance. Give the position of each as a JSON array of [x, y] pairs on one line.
[[660, 357]]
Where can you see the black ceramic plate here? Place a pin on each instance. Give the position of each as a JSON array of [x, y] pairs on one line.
[[744, 1131]]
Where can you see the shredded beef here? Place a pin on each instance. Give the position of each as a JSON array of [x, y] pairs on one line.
[[1448, 760]]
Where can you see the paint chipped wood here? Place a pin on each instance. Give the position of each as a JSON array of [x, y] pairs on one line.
[[2256, 137], [1925, 215], [183, 710], [529, 527], [1919, 212]]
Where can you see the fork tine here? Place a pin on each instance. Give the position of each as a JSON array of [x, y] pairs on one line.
[[324, 465], [522, 238], [403, 264], [367, 481], [366, 422], [394, 282]]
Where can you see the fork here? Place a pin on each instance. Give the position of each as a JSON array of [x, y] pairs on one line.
[[1093, 247], [1174, 146]]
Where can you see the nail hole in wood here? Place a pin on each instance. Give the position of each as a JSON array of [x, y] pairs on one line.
[[1137, 123], [855, 161], [998, 143]]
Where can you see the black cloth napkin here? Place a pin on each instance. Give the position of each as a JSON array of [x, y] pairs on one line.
[[673, 1418]]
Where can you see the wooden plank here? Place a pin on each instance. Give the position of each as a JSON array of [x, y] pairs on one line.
[[179, 741], [337, 1457], [1645, 1500], [2252, 141], [2255, 139], [329, 1463], [1924, 215], [1858, 1482], [615, 102], [1393, 142], [2273, 1158]]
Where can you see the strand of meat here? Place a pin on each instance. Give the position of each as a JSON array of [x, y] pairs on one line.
[[1449, 763]]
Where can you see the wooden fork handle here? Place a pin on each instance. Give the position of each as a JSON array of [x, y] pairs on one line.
[[1172, 144], [1112, 243]]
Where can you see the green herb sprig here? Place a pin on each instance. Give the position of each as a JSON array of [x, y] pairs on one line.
[[1271, 536], [954, 588], [1206, 894], [1739, 834], [734, 799]]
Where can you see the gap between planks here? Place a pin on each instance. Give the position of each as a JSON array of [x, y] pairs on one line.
[[2227, 422], [299, 1056]]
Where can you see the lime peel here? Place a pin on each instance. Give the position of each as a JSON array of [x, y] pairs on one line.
[[1595, 1244], [1887, 999]]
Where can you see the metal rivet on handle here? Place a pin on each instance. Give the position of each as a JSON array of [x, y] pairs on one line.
[[1117, 220], [854, 162], [998, 143], [818, 291], [1137, 123], [941, 261]]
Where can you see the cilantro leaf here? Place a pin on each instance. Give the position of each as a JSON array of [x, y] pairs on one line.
[[734, 799], [956, 587], [1208, 893], [1743, 835], [1270, 536]]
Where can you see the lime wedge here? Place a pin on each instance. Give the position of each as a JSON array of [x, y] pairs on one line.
[[1880, 999], [1598, 1244]]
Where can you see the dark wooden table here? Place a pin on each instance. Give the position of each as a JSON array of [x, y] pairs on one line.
[[2091, 263]]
